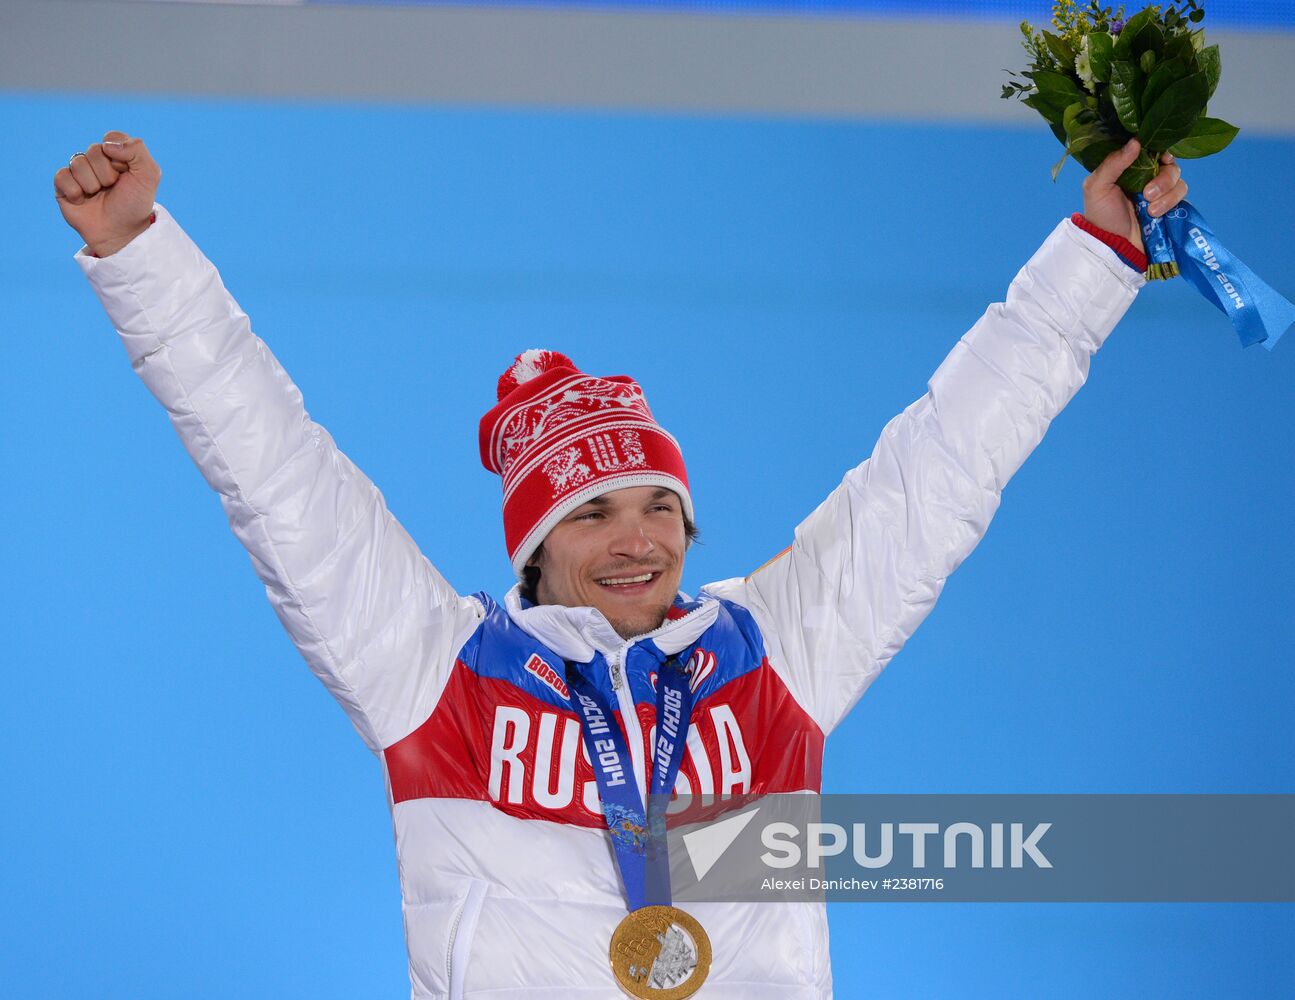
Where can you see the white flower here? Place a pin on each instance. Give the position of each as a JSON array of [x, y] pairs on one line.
[[1084, 67]]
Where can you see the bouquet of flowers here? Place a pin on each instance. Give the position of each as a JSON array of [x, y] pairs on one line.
[[1100, 79]]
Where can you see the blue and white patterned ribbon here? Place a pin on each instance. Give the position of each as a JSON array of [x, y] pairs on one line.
[[638, 833], [1259, 314]]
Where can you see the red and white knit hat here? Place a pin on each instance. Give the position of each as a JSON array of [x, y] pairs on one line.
[[559, 438]]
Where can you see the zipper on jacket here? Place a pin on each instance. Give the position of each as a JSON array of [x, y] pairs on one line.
[[449, 947], [461, 933], [629, 714], [625, 698]]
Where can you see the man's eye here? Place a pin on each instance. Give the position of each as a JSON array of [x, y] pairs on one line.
[[588, 515]]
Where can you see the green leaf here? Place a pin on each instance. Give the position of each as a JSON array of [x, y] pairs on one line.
[[1061, 49], [1159, 81], [1050, 113], [1179, 47], [1137, 39], [1100, 47], [1056, 91], [1056, 167], [1211, 65], [1171, 118], [1124, 43], [1208, 135], [1049, 82], [1085, 136], [1150, 39], [1074, 116], [1014, 88], [1196, 16], [1139, 173], [1147, 61], [1087, 139], [1092, 154], [1126, 87]]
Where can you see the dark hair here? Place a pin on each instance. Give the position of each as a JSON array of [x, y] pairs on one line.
[[531, 574]]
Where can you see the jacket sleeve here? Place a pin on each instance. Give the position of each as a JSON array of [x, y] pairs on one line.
[[867, 566], [373, 618]]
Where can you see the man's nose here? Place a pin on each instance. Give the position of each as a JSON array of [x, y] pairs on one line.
[[632, 540]]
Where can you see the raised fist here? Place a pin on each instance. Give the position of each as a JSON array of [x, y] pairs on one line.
[[106, 193]]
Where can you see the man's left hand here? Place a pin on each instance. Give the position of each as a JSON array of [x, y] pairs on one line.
[[1108, 207]]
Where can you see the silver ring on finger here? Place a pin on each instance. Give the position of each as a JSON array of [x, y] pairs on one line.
[[74, 156]]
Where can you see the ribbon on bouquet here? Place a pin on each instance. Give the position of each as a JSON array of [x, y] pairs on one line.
[[1182, 242]]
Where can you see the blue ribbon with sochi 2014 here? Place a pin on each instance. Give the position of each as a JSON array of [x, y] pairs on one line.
[[1259, 314], [638, 832]]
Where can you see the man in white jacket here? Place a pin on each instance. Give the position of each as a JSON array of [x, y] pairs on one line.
[[508, 731]]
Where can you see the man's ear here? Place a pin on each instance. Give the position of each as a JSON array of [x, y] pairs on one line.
[[531, 575]]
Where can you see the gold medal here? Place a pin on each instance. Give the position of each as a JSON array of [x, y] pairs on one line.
[[660, 953]]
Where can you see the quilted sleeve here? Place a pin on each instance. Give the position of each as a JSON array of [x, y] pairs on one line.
[[369, 613], [867, 566]]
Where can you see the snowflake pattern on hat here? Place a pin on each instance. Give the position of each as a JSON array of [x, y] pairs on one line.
[[584, 395]]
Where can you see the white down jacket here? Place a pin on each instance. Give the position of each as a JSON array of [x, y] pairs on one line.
[[496, 816]]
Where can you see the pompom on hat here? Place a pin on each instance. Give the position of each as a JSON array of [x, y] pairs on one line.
[[560, 437]]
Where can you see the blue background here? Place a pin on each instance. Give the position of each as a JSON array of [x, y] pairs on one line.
[[1278, 14], [187, 813]]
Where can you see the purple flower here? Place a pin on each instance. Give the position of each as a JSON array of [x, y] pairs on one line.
[[1116, 27]]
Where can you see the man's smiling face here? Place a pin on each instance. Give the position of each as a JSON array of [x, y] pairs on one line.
[[621, 553]]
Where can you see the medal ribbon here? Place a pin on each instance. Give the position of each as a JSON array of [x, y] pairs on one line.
[[1259, 314], [638, 833]]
